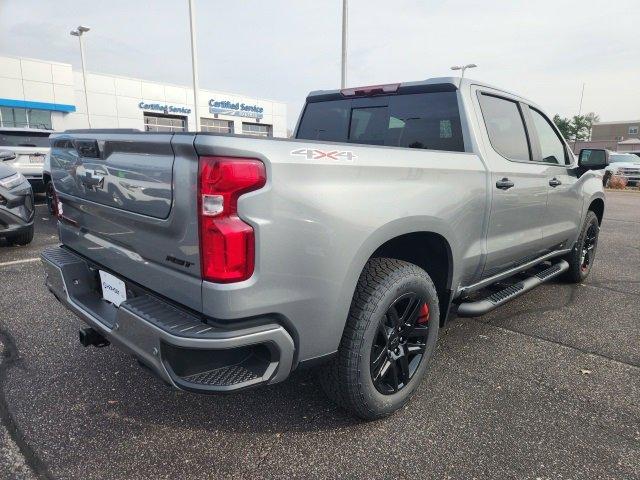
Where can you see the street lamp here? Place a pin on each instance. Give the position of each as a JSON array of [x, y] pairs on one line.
[[194, 63], [343, 66], [79, 32], [463, 68]]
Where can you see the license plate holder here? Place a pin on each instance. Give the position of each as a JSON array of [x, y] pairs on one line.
[[114, 290], [36, 159]]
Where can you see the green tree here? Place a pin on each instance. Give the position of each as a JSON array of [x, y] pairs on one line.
[[576, 128], [563, 124]]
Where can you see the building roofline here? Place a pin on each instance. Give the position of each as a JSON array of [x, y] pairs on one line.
[[617, 122], [124, 77], [36, 60]]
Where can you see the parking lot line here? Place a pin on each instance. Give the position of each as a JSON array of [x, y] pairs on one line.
[[17, 262]]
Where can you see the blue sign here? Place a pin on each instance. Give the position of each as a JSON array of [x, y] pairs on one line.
[[158, 107], [225, 107]]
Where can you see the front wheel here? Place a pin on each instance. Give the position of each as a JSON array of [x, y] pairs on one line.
[[23, 238], [387, 342], [584, 251]]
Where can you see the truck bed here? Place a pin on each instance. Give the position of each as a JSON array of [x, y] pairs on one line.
[[129, 204]]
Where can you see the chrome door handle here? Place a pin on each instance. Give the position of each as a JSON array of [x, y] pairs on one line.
[[554, 182], [504, 184]]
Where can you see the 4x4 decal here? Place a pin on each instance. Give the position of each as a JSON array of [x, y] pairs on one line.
[[315, 154]]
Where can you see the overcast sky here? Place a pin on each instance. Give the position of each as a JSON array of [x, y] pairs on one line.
[[281, 49]]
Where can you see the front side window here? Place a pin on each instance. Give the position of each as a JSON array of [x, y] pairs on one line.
[[421, 120], [551, 147], [505, 127]]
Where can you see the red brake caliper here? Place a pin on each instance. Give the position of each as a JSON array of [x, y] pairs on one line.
[[424, 314]]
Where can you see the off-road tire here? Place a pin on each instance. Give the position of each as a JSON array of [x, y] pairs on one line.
[[347, 379], [23, 238], [50, 195], [576, 272]]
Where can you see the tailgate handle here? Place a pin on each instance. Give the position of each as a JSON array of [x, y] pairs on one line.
[[87, 148]]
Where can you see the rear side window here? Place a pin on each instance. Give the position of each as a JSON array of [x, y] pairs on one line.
[[505, 127], [422, 120], [551, 146]]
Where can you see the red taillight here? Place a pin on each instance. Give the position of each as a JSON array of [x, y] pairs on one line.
[[370, 90], [227, 244]]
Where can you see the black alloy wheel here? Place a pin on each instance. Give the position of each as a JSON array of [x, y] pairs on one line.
[[400, 343], [589, 247], [50, 193]]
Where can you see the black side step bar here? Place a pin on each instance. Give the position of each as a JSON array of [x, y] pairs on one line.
[[480, 307]]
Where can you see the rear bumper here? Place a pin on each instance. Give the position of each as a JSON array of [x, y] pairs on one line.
[[180, 348]]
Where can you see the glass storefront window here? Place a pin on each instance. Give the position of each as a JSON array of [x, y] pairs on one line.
[[164, 123], [215, 125], [257, 129], [40, 119], [25, 118]]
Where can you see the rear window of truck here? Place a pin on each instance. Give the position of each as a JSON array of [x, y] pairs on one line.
[[423, 120]]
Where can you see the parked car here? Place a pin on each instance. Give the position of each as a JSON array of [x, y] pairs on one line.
[[30, 146], [16, 203], [624, 164], [345, 248]]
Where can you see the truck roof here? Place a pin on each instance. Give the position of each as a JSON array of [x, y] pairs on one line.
[[439, 83]]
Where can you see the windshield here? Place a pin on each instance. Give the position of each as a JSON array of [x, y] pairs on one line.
[[24, 139], [623, 158]]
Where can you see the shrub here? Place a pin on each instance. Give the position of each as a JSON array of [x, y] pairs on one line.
[[617, 182]]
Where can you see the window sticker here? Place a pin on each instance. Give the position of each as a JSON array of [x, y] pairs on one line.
[[445, 129]]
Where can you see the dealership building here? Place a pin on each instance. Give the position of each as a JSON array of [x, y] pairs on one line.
[[44, 94]]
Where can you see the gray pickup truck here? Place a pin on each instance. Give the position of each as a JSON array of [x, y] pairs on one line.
[[227, 261]]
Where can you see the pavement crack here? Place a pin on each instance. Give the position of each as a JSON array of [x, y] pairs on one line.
[[610, 289], [10, 358], [560, 344]]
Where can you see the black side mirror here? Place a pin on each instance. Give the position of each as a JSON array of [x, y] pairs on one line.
[[6, 155], [593, 159]]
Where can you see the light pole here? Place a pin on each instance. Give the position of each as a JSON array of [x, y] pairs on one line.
[[463, 68], [194, 63], [81, 30], [345, 15]]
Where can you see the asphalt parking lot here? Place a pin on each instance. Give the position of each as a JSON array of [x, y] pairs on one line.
[[547, 386]]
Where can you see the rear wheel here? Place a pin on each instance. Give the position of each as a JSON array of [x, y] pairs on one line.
[[584, 251], [388, 341], [50, 194]]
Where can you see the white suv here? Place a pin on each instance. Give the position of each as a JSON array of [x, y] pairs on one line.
[[30, 146]]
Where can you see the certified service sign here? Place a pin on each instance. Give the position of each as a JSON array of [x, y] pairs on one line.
[[225, 107]]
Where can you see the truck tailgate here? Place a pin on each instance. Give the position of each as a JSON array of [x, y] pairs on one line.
[[128, 204]]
